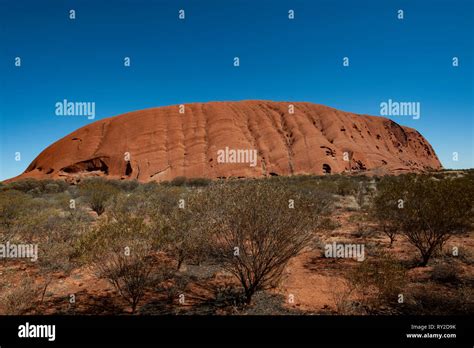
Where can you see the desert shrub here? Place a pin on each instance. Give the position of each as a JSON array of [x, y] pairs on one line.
[[345, 185], [258, 233], [122, 252], [429, 300], [173, 287], [199, 182], [126, 185], [344, 298], [57, 248], [328, 224], [445, 273], [55, 232], [183, 227], [130, 204], [32, 220], [362, 193], [24, 185], [178, 181], [147, 187], [433, 210], [97, 192], [37, 187], [115, 235], [385, 275], [129, 273], [20, 299], [13, 205], [386, 207], [466, 255]]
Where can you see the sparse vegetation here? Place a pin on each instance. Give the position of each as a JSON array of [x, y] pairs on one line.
[[427, 211], [380, 281], [256, 242], [227, 245], [97, 192]]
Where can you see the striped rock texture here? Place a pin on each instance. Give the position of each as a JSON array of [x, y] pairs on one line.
[[287, 138]]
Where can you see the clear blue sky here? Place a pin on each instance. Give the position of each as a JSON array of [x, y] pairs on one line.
[[177, 61]]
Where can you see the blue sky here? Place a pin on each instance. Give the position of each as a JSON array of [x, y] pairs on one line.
[[174, 61]]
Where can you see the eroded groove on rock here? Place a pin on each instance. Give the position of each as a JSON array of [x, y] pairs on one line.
[[164, 144]]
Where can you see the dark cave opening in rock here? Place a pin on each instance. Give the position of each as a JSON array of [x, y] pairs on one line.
[[128, 169], [326, 168]]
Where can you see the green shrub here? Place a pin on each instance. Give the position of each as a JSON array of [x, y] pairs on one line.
[[13, 205], [385, 274], [37, 187], [257, 231], [97, 192], [121, 252], [178, 181], [183, 226], [19, 300], [199, 182], [431, 210]]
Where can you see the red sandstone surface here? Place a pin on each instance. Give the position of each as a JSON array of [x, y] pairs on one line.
[[162, 143]]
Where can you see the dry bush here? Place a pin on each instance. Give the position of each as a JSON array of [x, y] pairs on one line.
[[20, 299], [28, 220], [162, 200], [197, 182], [379, 281], [386, 207], [97, 192], [183, 226], [129, 272], [178, 181], [114, 235], [328, 224], [362, 193], [257, 233], [55, 232], [128, 205], [345, 299], [13, 205], [445, 273], [427, 299], [37, 187], [433, 210], [122, 251]]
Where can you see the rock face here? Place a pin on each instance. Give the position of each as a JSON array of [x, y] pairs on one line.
[[220, 139]]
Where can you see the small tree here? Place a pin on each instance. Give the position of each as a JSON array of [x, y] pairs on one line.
[[181, 218], [129, 272], [259, 228], [387, 205], [98, 192], [432, 211], [122, 253]]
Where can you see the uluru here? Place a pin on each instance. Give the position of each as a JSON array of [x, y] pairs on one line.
[[219, 139]]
